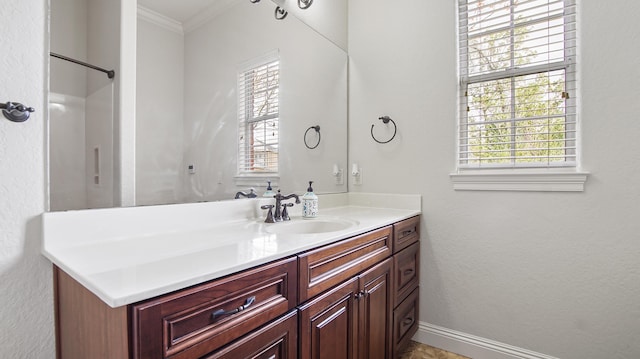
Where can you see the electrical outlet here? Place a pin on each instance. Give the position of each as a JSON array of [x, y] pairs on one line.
[[339, 177], [357, 178]]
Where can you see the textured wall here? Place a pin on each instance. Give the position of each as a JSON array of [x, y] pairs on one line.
[[556, 273], [26, 306]]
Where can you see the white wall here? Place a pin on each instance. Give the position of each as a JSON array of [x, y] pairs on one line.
[[556, 273], [327, 17], [311, 68], [26, 295], [69, 28], [159, 114]]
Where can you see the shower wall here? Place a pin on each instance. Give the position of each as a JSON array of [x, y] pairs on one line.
[[81, 108]]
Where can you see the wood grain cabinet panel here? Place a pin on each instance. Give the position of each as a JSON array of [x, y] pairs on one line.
[[376, 310], [405, 322], [405, 233], [323, 268], [196, 321], [351, 320], [406, 272], [276, 340], [329, 324]]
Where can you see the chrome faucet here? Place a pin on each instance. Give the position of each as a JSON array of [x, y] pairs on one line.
[[280, 214], [251, 194]]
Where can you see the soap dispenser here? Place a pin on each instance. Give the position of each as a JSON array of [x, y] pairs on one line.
[[309, 203], [269, 192]]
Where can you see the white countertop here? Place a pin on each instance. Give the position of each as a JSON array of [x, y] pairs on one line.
[[116, 255]]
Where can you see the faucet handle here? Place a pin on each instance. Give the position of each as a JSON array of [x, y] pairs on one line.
[[269, 218], [285, 213]]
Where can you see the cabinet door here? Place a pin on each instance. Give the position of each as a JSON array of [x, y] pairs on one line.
[[329, 324], [277, 340], [375, 305]]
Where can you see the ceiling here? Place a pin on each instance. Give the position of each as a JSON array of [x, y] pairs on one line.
[[181, 10]]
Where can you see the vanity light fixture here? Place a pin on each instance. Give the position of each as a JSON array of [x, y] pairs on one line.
[[304, 4], [280, 13]]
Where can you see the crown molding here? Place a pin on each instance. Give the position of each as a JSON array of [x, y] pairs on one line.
[[208, 14], [159, 19]]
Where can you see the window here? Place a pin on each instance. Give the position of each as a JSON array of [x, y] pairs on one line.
[[258, 115], [518, 84]]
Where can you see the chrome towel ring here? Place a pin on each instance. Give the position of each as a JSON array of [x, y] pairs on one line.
[[317, 128], [385, 120]]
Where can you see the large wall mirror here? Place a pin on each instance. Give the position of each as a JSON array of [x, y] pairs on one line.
[[193, 58]]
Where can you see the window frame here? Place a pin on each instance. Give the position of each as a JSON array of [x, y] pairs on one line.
[[243, 176], [564, 176]]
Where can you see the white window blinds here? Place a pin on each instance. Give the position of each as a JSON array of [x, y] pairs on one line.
[[258, 115], [518, 83]]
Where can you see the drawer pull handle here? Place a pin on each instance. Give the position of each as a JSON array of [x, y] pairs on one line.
[[407, 322], [408, 272], [221, 312], [407, 232]]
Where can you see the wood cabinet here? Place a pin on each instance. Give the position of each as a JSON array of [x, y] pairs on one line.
[[406, 271], [277, 340], [193, 322], [357, 298], [350, 320], [327, 266]]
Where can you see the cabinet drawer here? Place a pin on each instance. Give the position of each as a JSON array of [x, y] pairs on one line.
[[405, 233], [405, 321], [277, 340], [183, 324], [406, 268], [327, 266]]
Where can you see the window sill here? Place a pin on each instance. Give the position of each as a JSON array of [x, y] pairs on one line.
[[258, 180], [519, 180]]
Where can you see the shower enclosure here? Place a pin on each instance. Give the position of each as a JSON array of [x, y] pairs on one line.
[[81, 108]]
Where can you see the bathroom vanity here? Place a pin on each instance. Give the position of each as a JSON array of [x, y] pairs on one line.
[[348, 293]]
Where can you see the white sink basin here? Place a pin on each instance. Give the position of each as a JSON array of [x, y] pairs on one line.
[[310, 226]]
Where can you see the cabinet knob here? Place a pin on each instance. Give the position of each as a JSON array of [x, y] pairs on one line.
[[361, 294]]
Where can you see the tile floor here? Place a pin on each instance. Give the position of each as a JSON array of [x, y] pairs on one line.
[[421, 351]]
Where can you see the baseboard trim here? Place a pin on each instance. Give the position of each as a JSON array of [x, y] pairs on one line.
[[471, 345]]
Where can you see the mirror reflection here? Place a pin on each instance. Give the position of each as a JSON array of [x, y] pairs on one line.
[[224, 96]]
